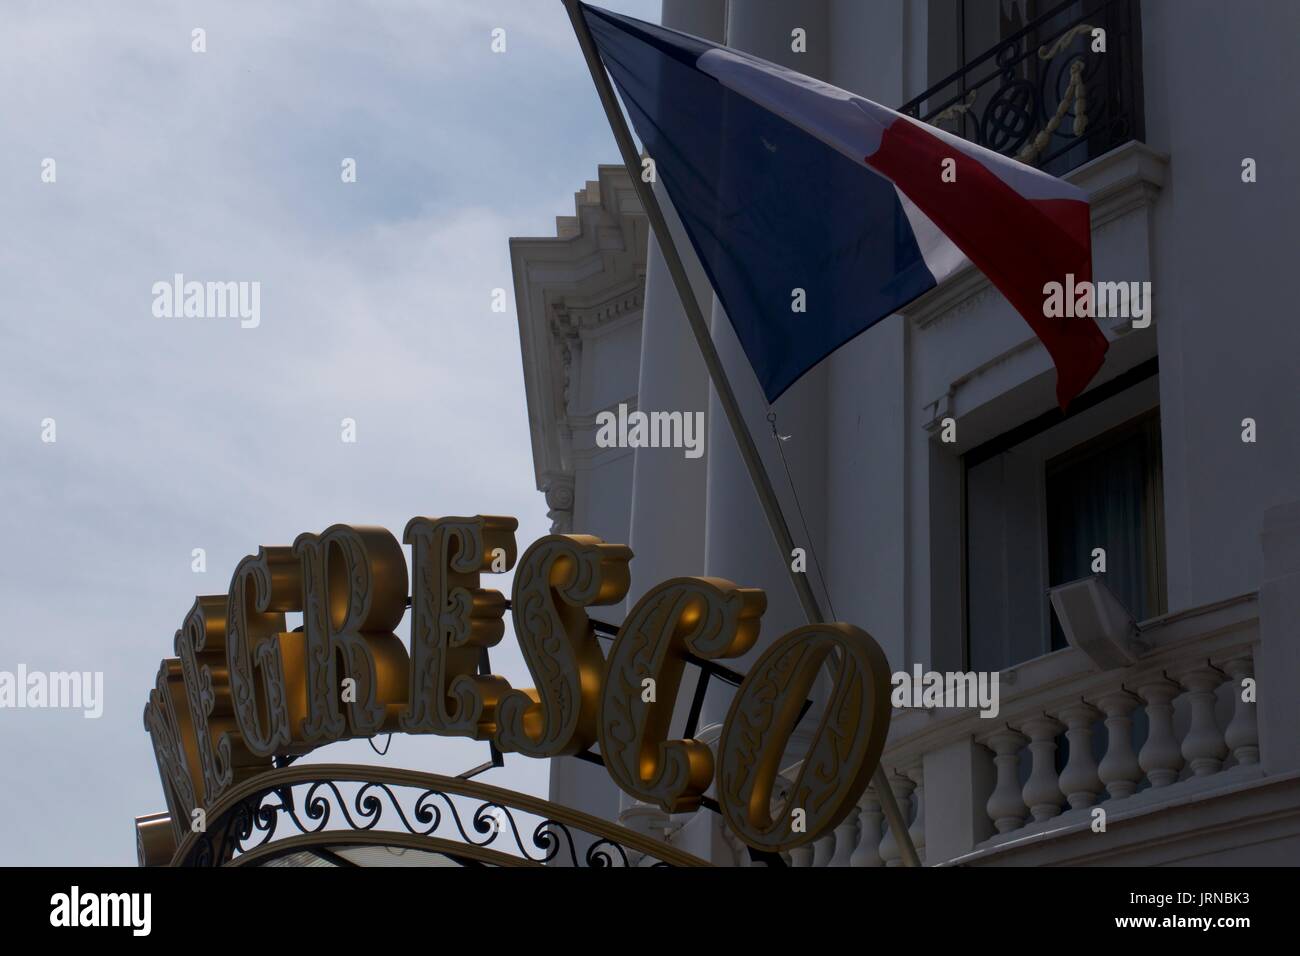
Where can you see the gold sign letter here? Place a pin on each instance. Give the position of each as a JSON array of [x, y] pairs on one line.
[[557, 579], [843, 754], [201, 648], [354, 596], [708, 617], [451, 619], [267, 665], [167, 719]]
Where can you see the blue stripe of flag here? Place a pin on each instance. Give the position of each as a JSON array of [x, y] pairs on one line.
[[768, 208]]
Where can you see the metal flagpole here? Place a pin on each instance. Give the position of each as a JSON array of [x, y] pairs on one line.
[[726, 396]]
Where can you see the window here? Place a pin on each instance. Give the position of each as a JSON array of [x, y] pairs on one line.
[[1107, 495], [1041, 499]]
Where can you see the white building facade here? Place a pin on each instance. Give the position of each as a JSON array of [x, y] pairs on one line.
[[952, 511]]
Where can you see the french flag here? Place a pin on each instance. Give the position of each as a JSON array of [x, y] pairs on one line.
[[786, 183]]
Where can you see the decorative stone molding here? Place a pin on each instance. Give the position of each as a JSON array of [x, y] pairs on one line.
[[570, 288], [559, 502], [572, 320]]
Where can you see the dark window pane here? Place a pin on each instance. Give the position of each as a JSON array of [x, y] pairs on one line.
[[1106, 495]]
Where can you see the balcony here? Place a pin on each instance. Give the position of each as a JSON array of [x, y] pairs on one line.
[[1046, 94], [1170, 731], [1139, 744]]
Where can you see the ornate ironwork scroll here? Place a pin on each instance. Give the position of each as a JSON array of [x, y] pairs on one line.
[[708, 617], [452, 618], [558, 578], [1052, 94], [326, 805], [845, 748]]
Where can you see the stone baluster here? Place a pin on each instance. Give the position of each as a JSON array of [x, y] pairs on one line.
[[1005, 807], [1160, 757], [739, 849], [915, 773], [1242, 734], [846, 838], [824, 850], [1203, 747], [867, 852], [1119, 769], [889, 849], [801, 856], [1042, 792], [1079, 780]]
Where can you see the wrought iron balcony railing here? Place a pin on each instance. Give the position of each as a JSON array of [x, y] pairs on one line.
[[1046, 95]]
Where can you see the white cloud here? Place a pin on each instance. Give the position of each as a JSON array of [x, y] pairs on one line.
[[175, 434]]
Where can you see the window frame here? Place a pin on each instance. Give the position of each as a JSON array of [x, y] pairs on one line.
[[1117, 387]]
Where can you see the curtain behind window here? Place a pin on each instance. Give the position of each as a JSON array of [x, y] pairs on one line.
[[1107, 495]]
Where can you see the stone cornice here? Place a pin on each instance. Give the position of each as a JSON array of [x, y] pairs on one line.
[[587, 278]]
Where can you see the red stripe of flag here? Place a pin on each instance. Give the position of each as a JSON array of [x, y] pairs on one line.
[[1019, 244]]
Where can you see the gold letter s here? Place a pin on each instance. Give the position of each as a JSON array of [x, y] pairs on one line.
[[557, 579]]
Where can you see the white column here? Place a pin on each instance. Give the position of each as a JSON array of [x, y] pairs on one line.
[[702, 18], [668, 489], [958, 775], [876, 452], [738, 543], [667, 512]]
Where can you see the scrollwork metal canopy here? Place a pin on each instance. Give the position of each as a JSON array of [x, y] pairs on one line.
[[324, 807]]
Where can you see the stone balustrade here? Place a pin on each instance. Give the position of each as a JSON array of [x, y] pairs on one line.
[[1069, 738]]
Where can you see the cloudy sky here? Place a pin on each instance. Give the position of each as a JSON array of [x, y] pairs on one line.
[[176, 434]]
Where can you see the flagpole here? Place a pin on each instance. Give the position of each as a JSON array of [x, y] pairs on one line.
[[721, 384]]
